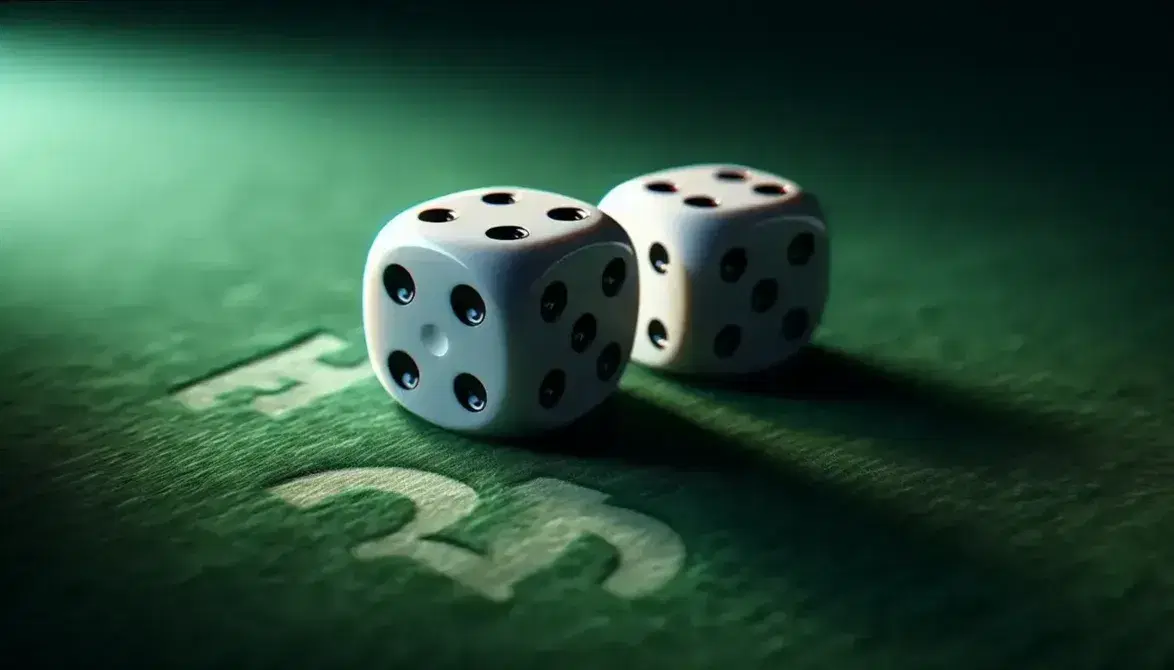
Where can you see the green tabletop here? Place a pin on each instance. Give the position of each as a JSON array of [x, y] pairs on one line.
[[971, 466]]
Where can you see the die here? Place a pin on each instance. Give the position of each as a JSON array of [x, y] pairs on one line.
[[733, 266], [500, 311]]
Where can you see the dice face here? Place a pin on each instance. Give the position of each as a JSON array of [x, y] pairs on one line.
[[500, 311], [733, 266], [574, 334]]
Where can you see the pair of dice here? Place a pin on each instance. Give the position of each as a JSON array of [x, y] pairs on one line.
[[512, 311]]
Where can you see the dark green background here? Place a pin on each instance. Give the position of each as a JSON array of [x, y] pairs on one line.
[[971, 468]]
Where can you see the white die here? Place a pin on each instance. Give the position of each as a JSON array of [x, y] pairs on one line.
[[733, 267], [500, 311]]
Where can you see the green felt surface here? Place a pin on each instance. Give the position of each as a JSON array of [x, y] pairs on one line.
[[971, 468]]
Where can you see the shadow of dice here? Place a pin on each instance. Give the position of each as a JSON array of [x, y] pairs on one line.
[[500, 311], [733, 266]]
